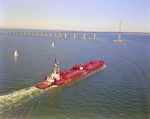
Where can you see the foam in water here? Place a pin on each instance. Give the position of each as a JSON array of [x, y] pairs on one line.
[[17, 98]]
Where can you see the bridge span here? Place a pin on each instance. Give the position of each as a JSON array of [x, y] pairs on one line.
[[60, 34], [56, 34]]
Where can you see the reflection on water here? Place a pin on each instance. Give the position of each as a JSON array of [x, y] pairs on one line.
[[16, 58]]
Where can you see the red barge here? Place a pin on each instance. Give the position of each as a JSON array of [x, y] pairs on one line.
[[58, 78]]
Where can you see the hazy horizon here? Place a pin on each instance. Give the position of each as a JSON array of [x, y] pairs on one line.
[[83, 15]]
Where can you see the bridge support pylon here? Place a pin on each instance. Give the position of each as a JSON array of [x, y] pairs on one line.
[[50, 34], [74, 35], [84, 36], [65, 35]]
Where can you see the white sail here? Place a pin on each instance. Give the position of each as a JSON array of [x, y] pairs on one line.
[[16, 53], [53, 44]]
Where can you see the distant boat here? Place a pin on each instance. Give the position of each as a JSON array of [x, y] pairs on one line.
[[16, 53], [52, 44]]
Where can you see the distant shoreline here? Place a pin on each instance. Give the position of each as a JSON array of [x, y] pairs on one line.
[[68, 31]]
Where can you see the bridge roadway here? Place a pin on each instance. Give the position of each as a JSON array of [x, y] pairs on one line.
[[58, 34]]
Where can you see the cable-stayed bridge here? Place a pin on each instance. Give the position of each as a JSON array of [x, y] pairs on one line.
[[60, 34], [112, 28]]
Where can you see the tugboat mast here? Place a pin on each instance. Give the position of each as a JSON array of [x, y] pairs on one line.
[[56, 67]]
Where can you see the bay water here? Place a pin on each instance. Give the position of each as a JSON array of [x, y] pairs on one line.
[[119, 91]]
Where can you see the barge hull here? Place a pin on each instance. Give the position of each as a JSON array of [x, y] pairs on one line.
[[78, 77], [67, 76]]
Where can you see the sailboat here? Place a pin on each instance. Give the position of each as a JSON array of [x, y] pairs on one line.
[[52, 44], [16, 53], [119, 35]]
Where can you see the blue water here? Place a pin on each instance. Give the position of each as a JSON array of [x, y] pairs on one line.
[[120, 91]]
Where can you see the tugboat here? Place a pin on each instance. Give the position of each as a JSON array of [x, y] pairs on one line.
[[58, 78]]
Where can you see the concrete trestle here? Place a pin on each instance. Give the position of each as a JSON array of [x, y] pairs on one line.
[[56, 34]]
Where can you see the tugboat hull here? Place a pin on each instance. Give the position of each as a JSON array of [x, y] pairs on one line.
[[42, 86]]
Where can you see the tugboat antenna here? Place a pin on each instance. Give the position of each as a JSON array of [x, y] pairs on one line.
[[55, 60]]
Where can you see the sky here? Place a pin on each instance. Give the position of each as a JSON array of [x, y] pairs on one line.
[[80, 15]]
